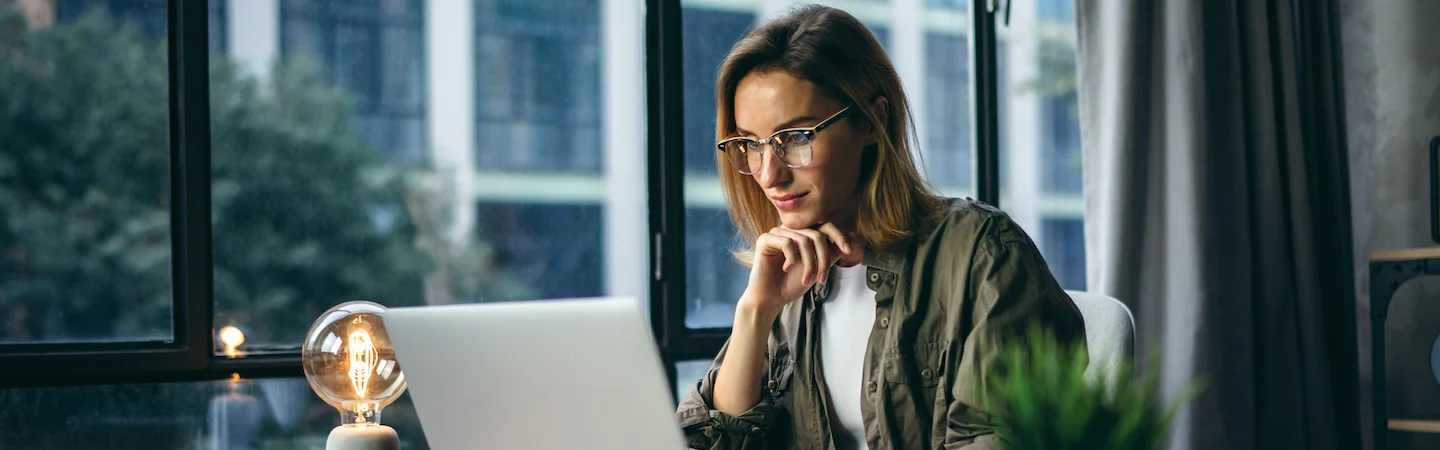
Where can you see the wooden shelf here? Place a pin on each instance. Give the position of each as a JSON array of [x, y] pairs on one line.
[[1417, 426], [1409, 254]]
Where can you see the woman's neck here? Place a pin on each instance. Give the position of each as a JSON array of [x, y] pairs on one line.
[[850, 225]]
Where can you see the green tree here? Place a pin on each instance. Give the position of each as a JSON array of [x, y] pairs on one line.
[[305, 213]]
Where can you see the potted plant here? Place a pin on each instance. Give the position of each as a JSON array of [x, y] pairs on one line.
[[1041, 398]]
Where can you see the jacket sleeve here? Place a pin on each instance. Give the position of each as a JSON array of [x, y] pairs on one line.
[[1011, 288], [709, 428]]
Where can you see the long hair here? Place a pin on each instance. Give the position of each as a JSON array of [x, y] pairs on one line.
[[835, 52]]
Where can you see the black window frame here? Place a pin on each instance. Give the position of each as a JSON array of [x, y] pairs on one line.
[[191, 356]]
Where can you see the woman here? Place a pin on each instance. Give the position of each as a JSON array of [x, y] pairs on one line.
[[874, 308]]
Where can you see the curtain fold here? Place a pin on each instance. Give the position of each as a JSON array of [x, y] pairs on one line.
[[1216, 206]]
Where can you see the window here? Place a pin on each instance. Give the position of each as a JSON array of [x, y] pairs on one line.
[[312, 187], [374, 50], [535, 242], [687, 373], [946, 146], [714, 280], [956, 4], [311, 152], [1064, 250], [85, 201], [232, 415], [1040, 149], [494, 209], [537, 85]]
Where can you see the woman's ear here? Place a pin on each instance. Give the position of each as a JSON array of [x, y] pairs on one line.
[[881, 106]]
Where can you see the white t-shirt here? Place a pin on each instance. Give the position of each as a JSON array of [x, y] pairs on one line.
[[846, 318]]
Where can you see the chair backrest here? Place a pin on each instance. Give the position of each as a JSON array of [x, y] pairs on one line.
[[1109, 332]]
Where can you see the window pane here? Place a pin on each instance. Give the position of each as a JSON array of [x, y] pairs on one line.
[[280, 413], [84, 172], [1040, 134], [928, 44], [425, 153], [687, 373]]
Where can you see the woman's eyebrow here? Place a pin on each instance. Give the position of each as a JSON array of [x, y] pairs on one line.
[[788, 124]]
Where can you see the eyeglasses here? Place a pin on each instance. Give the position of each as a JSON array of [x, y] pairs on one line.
[[791, 145]]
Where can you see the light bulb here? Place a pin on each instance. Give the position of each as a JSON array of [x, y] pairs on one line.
[[350, 363]]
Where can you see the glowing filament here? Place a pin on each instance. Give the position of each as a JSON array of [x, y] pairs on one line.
[[362, 361]]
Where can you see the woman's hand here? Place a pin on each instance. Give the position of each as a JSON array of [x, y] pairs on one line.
[[787, 262]]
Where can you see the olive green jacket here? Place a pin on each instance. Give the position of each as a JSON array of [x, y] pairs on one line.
[[967, 283]]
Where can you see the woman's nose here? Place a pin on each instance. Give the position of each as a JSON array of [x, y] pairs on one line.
[[772, 171]]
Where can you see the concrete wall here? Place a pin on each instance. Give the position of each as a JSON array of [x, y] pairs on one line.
[[1392, 101]]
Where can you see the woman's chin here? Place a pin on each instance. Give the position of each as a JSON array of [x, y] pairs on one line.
[[797, 221]]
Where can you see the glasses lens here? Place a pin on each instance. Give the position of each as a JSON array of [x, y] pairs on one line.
[[741, 152], [795, 148]]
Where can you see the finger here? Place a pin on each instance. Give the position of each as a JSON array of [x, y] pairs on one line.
[[821, 244], [792, 253], [771, 244], [840, 238], [807, 253]]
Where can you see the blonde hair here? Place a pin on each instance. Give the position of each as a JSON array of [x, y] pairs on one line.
[[835, 52]]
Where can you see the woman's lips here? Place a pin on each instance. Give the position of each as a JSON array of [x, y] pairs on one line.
[[788, 202]]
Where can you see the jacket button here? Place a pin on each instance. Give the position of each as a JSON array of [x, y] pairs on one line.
[[771, 385], [927, 373], [755, 430], [874, 277], [884, 322], [872, 387]]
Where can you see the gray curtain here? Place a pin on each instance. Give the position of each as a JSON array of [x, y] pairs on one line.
[[1216, 206]]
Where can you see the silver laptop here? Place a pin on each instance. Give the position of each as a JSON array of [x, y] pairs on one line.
[[554, 374]]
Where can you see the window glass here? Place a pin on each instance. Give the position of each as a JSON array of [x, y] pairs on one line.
[[687, 373], [1040, 134], [84, 172], [280, 413], [412, 152]]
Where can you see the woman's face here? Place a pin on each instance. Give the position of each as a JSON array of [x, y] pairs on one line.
[[827, 189]]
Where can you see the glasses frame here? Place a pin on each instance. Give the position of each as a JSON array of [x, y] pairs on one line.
[[809, 132]]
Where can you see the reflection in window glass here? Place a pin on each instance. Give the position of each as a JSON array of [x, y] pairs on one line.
[[84, 172], [932, 60], [281, 413], [405, 169], [1040, 134]]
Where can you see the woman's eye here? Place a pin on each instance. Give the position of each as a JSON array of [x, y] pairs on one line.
[[798, 138]]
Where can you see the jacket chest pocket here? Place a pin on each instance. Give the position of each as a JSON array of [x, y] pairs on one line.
[[919, 365], [777, 378]]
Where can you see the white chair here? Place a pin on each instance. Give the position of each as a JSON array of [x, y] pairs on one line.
[[1109, 332]]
